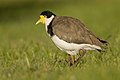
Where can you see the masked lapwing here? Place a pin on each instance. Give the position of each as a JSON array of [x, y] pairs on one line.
[[70, 35]]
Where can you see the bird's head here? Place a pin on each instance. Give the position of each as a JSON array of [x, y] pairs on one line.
[[45, 17]]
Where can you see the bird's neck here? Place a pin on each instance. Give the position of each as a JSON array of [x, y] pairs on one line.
[[48, 23], [48, 20]]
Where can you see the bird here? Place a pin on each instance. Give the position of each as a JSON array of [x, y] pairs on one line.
[[70, 35]]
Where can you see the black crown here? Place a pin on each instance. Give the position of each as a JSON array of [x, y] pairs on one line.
[[47, 13]]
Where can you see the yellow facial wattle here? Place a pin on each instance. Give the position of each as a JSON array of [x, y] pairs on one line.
[[41, 20]]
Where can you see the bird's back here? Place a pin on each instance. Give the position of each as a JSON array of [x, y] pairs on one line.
[[73, 30]]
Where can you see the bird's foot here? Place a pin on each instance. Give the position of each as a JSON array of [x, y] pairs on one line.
[[71, 59], [82, 53]]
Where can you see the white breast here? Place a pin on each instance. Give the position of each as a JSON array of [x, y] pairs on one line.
[[72, 48]]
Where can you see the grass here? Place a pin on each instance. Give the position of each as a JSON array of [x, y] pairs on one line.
[[27, 53]]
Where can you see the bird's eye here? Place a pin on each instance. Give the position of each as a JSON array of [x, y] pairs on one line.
[[48, 16]]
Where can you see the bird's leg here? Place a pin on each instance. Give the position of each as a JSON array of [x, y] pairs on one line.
[[81, 54], [71, 59]]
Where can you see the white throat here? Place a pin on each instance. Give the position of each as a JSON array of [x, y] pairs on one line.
[[48, 20]]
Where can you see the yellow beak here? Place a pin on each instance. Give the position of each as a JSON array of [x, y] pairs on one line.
[[41, 20]]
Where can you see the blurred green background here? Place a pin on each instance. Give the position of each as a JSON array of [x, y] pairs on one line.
[[19, 17], [27, 53]]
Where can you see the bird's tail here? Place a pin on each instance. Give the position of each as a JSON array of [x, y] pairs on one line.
[[103, 41], [104, 46]]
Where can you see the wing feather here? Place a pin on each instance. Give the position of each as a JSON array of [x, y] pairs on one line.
[[73, 31]]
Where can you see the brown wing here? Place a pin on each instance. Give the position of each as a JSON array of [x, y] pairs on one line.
[[73, 31]]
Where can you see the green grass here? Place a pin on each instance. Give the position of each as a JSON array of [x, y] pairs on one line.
[[27, 53]]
